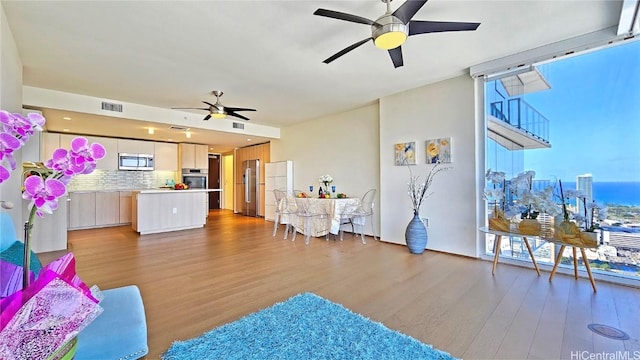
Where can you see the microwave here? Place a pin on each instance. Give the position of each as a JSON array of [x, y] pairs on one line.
[[135, 161]]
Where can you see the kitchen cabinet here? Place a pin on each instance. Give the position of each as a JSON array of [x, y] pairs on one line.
[[194, 156], [90, 209], [82, 210], [135, 146], [278, 175], [50, 142], [165, 156], [110, 160], [125, 207], [107, 208], [50, 232]]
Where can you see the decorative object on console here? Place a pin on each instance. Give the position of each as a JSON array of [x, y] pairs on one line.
[[495, 194], [568, 231], [438, 150], [416, 233]]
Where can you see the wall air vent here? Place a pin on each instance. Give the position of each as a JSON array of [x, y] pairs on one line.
[[238, 126], [111, 106], [178, 127]]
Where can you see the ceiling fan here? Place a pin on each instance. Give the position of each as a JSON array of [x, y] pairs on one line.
[[219, 111], [390, 30]]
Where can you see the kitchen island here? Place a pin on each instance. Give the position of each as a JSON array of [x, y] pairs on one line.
[[161, 210]]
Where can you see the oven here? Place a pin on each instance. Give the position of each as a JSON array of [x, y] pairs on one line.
[[195, 178]]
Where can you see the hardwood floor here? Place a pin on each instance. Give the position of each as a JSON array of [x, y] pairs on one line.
[[194, 280]]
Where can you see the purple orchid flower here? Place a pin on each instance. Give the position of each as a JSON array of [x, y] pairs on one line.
[[19, 125], [84, 156], [61, 162], [4, 174], [8, 144], [43, 194]]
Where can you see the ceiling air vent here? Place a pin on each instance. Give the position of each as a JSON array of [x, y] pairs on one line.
[[177, 127], [238, 126], [111, 106]]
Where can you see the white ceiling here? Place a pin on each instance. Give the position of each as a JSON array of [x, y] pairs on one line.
[[266, 55]]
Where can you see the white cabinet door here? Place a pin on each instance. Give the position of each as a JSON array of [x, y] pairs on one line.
[[65, 140], [125, 207], [187, 156], [202, 157], [166, 156], [50, 143], [82, 210], [110, 160], [107, 208], [135, 146]]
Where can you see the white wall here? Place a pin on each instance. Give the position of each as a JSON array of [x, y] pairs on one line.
[[443, 109], [344, 146], [11, 100]]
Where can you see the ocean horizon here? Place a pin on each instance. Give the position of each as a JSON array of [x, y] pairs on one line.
[[612, 193]]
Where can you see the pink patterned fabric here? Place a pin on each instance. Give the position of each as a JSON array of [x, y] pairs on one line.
[[52, 317], [11, 278], [36, 321]]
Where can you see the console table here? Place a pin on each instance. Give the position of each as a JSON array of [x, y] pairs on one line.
[[563, 245], [496, 248]]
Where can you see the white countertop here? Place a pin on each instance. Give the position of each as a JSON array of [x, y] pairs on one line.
[[162, 191]]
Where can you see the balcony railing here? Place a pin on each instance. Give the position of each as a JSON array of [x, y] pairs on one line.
[[520, 114]]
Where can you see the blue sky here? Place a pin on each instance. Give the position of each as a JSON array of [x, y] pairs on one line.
[[593, 109]]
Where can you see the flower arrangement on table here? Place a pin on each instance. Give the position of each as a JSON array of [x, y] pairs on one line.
[[495, 194], [325, 179], [568, 230], [530, 203], [40, 317]]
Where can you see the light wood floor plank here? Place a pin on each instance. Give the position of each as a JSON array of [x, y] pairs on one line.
[[195, 280]]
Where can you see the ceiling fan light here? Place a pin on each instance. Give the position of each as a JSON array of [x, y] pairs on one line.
[[390, 40], [218, 115]]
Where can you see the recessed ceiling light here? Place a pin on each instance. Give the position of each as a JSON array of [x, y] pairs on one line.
[[188, 134], [150, 131], [65, 130], [169, 139], [248, 139], [66, 118]]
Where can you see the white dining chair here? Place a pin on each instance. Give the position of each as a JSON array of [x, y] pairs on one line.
[[285, 211], [361, 212], [315, 219]]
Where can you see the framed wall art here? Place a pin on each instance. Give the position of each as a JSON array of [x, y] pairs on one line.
[[438, 150], [405, 153]]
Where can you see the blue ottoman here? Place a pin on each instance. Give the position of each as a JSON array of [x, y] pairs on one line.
[[120, 332]]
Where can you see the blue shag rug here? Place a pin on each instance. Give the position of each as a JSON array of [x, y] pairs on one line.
[[304, 327]]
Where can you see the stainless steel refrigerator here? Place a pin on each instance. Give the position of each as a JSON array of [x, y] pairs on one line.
[[251, 187]]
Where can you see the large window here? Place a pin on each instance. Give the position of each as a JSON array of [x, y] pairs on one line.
[[576, 120]]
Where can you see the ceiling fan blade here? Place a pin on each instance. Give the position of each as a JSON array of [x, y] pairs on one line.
[[407, 10], [396, 57], [231, 113], [346, 50], [417, 27], [227, 108], [190, 108], [207, 117], [344, 16], [208, 103]]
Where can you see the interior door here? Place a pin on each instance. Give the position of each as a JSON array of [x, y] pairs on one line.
[[214, 181]]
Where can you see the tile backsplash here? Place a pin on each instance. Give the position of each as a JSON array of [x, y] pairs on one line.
[[117, 180]]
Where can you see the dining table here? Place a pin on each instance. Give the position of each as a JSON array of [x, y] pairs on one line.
[[332, 209]]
